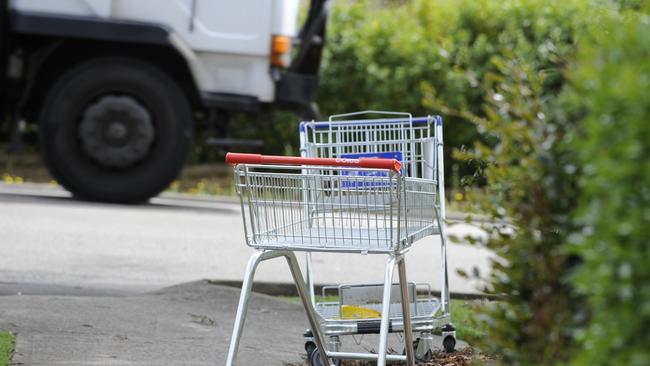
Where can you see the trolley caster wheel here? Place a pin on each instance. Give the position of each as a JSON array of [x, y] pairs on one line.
[[309, 348], [449, 344], [316, 360], [449, 338], [426, 357]]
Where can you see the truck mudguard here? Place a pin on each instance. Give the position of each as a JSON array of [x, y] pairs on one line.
[[89, 28]]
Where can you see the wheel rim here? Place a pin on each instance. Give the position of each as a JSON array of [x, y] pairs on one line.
[[116, 131]]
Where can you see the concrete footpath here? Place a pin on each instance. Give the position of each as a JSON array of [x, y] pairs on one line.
[[188, 324]]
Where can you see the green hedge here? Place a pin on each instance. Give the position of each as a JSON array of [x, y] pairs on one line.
[[565, 162], [494, 70], [612, 80], [530, 175], [395, 57], [570, 170]]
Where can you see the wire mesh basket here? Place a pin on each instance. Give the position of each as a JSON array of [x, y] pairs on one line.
[[316, 208]]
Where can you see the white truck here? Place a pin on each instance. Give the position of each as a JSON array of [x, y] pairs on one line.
[[116, 88]]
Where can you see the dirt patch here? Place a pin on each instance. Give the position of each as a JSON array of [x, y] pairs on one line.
[[464, 357]]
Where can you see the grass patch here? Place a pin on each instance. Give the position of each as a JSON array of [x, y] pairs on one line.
[[214, 179], [7, 343], [205, 179], [463, 313], [196, 179]]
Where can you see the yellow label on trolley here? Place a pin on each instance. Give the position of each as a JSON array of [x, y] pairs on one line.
[[358, 312]]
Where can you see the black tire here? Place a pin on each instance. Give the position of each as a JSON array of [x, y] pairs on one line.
[[449, 344], [160, 158], [315, 359]]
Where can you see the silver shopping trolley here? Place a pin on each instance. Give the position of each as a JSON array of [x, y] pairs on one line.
[[417, 143], [348, 204]]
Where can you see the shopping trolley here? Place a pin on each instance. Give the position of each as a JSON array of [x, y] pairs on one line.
[[417, 143], [339, 202]]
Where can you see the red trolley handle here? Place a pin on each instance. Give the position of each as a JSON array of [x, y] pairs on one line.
[[371, 163]]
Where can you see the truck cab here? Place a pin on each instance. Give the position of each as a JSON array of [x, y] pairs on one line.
[[115, 87]]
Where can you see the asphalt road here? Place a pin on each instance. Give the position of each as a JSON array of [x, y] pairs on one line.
[[53, 244]]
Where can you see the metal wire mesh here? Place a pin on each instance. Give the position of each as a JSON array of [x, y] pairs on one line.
[[409, 140], [333, 209]]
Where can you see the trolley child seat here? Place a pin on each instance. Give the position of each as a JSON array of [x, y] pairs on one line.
[[370, 186]]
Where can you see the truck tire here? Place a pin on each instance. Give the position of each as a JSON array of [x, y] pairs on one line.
[[115, 130]]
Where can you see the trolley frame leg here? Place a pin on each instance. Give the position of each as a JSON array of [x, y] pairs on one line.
[[444, 277], [244, 298], [310, 278], [242, 307], [385, 308], [441, 217], [406, 312], [307, 303], [385, 316]]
